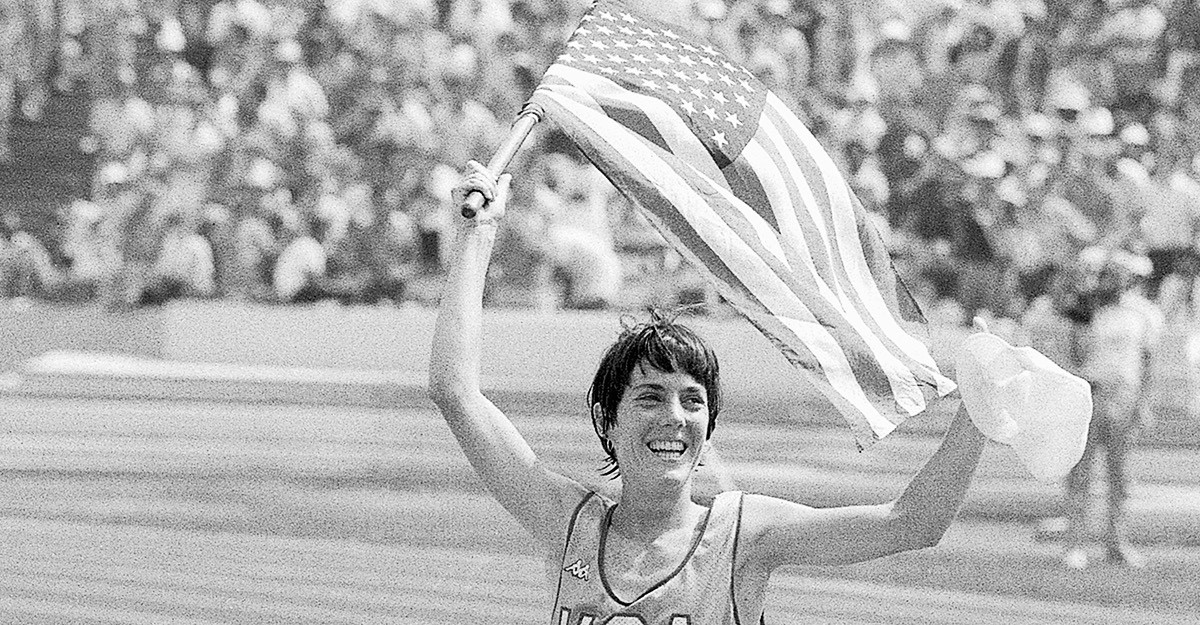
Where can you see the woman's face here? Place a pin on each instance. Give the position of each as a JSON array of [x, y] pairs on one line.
[[662, 425]]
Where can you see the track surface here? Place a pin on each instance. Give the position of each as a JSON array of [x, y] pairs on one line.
[[202, 513]]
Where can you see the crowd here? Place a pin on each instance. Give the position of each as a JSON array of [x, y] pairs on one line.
[[299, 151]]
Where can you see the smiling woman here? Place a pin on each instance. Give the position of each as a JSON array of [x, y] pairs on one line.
[[653, 555], [652, 370]]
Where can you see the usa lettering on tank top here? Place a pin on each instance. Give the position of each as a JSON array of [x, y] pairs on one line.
[[699, 591]]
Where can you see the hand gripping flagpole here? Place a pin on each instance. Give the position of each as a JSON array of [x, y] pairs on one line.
[[530, 115]]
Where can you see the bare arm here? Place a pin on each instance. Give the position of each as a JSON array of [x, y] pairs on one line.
[[779, 532], [497, 451]]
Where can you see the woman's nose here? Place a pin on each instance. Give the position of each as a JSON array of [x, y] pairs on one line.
[[674, 412]]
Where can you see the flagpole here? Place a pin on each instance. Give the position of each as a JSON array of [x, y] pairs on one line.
[[530, 115]]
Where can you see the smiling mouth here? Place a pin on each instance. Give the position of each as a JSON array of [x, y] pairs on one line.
[[670, 450]]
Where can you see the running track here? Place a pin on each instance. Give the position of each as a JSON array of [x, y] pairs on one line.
[[179, 513]]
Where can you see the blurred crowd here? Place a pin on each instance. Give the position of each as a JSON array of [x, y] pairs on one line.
[[303, 151]]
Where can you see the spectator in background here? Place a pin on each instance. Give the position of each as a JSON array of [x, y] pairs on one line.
[[299, 274], [1116, 330], [26, 269], [255, 249], [217, 227], [183, 266], [1169, 225], [573, 200], [395, 252], [83, 246]]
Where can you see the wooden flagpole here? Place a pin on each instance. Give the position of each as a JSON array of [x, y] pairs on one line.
[[530, 115]]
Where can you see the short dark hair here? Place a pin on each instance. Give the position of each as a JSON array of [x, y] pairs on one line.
[[665, 345]]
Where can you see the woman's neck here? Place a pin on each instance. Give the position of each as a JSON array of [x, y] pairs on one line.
[[646, 514]]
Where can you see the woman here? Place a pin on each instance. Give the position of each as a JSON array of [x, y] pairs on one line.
[[653, 555]]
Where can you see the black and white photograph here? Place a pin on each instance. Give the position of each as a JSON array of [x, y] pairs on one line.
[[599, 312]]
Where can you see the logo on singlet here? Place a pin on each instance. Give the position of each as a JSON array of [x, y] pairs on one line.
[[578, 570]]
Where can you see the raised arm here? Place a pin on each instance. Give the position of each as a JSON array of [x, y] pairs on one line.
[[497, 451], [778, 532]]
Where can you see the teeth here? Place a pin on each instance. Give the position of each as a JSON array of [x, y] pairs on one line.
[[672, 446]]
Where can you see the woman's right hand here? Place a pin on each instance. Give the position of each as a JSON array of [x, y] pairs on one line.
[[495, 194]]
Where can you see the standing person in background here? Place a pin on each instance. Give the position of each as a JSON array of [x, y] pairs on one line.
[[1116, 330], [184, 265], [255, 249], [300, 273], [26, 269]]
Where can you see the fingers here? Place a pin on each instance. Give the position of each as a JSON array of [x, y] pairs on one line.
[[476, 178]]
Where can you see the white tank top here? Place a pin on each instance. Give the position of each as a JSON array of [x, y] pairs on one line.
[[698, 592]]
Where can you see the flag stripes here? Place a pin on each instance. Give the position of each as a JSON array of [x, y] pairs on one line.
[[743, 276], [739, 186], [602, 92]]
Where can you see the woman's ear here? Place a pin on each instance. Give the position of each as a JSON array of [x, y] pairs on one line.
[[598, 421]]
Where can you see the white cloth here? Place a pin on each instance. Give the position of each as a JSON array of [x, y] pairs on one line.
[[1018, 397]]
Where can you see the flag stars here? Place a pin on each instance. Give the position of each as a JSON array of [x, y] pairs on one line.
[[624, 45], [707, 61], [733, 120], [681, 75], [605, 30], [729, 66], [746, 86], [640, 59], [608, 16], [599, 45], [709, 50], [634, 71], [629, 18], [703, 77], [591, 58], [674, 87], [607, 70], [658, 73], [664, 59], [627, 31], [719, 97], [689, 107], [689, 47], [648, 32], [687, 60], [710, 113], [646, 43], [719, 139], [666, 45], [670, 34], [741, 99], [566, 58], [650, 84], [725, 79], [575, 45], [698, 93]]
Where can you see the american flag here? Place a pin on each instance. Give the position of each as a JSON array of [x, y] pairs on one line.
[[737, 184]]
